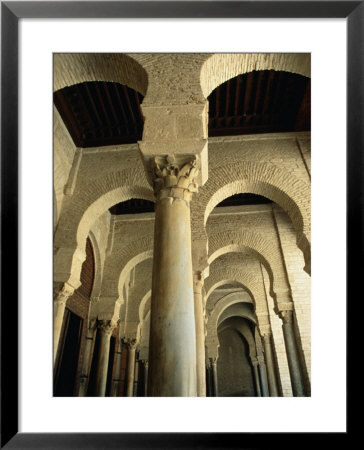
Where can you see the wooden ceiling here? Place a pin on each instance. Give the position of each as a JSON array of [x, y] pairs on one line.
[[98, 114], [260, 102]]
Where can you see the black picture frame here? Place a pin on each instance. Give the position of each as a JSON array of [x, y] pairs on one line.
[[11, 12]]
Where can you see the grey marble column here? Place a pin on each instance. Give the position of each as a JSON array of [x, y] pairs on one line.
[[172, 346], [84, 378], [213, 362], [200, 334], [60, 298], [136, 378], [145, 374], [116, 379], [106, 328], [130, 369], [292, 353], [256, 376], [267, 341], [263, 376]]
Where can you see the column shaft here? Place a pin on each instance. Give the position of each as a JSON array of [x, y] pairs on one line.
[[263, 378], [172, 357], [292, 354], [256, 378], [116, 380], [214, 379], [136, 379], [273, 389], [200, 337], [103, 361], [82, 392], [59, 305], [145, 369], [130, 371]]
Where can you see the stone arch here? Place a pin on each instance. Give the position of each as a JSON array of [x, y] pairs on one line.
[[118, 270], [138, 296], [128, 257], [112, 67], [221, 67], [81, 211], [243, 330], [239, 309], [261, 249], [221, 305], [264, 179], [98, 266]]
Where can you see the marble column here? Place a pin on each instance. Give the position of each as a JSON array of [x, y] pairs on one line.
[[292, 353], [136, 378], [256, 376], [106, 328], [130, 369], [172, 350], [84, 378], [272, 381], [263, 376], [213, 362], [145, 375], [200, 334], [60, 298], [116, 379]]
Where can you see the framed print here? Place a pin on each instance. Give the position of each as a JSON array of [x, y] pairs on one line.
[[172, 125]]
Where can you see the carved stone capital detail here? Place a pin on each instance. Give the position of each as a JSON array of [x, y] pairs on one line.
[[174, 179], [213, 360], [286, 316], [261, 360], [131, 343], [254, 361], [107, 326], [266, 335], [198, 282], [61, 296]]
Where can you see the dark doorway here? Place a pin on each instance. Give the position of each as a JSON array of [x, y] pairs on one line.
[[65, 380]]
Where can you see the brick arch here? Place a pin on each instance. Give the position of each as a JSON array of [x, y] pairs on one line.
[[221, 305], [266, 179], [238, 309], [242, 329], [221, 67], [74, 68], [261, 248], [83, 208], [118, 266], [138, 296]]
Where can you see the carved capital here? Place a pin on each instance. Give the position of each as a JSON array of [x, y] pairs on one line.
[[107, 326], [61, 296], [197, 282], [174, 179], [254, 361], [266, 335], [92, 324], [286, 316], [213, 360], [261, 360], [145, 363], [131, 343]]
